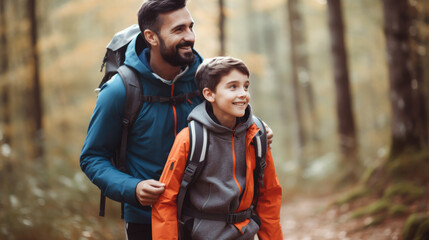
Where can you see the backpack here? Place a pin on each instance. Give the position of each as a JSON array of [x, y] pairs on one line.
[[113, 62], [195, 163]]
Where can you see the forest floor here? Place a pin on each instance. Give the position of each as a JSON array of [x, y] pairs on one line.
[[311, 218]]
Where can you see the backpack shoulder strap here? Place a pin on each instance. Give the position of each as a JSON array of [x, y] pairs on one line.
[[260, 143], [133, 93], [133, 104], [113, 59], [198, 139], [260, 139]]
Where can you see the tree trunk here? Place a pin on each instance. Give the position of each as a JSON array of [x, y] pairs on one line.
[[346, 124], [409, 125], [423, 50], [5, 128], [279, 74], [295, 37], [35, 108], [296, 24], [221, 27], [255, 45]]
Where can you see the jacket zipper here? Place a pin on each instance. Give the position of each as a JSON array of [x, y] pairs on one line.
[[234, 162], [174, 112]]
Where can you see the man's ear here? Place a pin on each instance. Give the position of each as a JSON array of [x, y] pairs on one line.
[[151, 37], [209, 95]]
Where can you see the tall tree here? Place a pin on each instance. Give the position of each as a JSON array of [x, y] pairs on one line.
[[221, 5], [423, 49], [346, 124], [299, 55], [409, 124], [255, 42], [34, 109], [295, 22], [5, 130]]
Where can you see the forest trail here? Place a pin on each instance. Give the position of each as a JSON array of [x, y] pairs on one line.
[[312, 218]]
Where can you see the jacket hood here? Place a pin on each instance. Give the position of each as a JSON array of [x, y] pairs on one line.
[[201, 115], [132, 59]]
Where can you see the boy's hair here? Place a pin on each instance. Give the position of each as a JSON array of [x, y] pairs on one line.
[[211, 70], [150, 10]]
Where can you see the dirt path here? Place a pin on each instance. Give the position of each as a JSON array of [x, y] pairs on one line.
[[310, 219]]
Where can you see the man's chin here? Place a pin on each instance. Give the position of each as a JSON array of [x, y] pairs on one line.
[[188, 58], [182, 59]]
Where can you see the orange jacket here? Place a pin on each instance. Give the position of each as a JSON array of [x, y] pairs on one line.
[[164, 212]]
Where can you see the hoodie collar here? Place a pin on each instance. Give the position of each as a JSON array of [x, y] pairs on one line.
[[145, 59], [209, 109], [205, 116]]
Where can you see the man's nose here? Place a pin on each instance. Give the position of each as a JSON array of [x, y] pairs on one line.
[[189, 36]]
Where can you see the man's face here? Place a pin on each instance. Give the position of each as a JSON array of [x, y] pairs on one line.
[[177, 37]]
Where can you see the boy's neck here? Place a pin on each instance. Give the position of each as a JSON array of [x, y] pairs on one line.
[[209, 109]]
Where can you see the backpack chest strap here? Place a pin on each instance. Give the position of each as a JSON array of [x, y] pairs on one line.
[[173, 99], [229, 218]]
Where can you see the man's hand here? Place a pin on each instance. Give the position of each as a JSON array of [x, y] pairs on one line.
[[148, 191], [270, 134]]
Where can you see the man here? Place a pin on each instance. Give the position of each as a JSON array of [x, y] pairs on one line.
[[166, 68]]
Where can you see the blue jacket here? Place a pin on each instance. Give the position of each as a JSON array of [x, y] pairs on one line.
[[149, 141]]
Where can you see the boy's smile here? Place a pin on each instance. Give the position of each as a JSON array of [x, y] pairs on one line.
[[231, 97]]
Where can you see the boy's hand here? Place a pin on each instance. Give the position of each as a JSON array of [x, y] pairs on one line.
[[148, 191], [270, 134]]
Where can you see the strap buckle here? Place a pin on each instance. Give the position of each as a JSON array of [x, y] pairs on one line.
[[173, 100], [149, 99], [125, 122], [177, 99], [189, 173], [232, 218], [240, 216]]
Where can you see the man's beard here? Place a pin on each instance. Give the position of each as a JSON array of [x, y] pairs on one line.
[[173, 57]]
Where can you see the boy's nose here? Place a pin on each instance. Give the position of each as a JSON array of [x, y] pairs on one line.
[[242, 93]]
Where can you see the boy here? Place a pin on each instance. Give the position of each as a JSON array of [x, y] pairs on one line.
[[225, 185]]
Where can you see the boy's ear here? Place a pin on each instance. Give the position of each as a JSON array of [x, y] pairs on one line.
[[209, 95], [151, 37]]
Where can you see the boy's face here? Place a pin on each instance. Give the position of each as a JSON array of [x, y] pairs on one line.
[[231, 97]]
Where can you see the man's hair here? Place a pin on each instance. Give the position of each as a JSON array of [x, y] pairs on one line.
[[210, 72], [150, 10]]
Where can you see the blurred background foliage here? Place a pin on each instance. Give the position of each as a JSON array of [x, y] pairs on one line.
[[50, 57]]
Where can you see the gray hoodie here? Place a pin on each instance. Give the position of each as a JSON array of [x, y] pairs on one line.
[[223, 179]]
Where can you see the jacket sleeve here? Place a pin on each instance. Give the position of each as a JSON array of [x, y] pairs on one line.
[[164, 211], [269, 203], [103, 137]]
